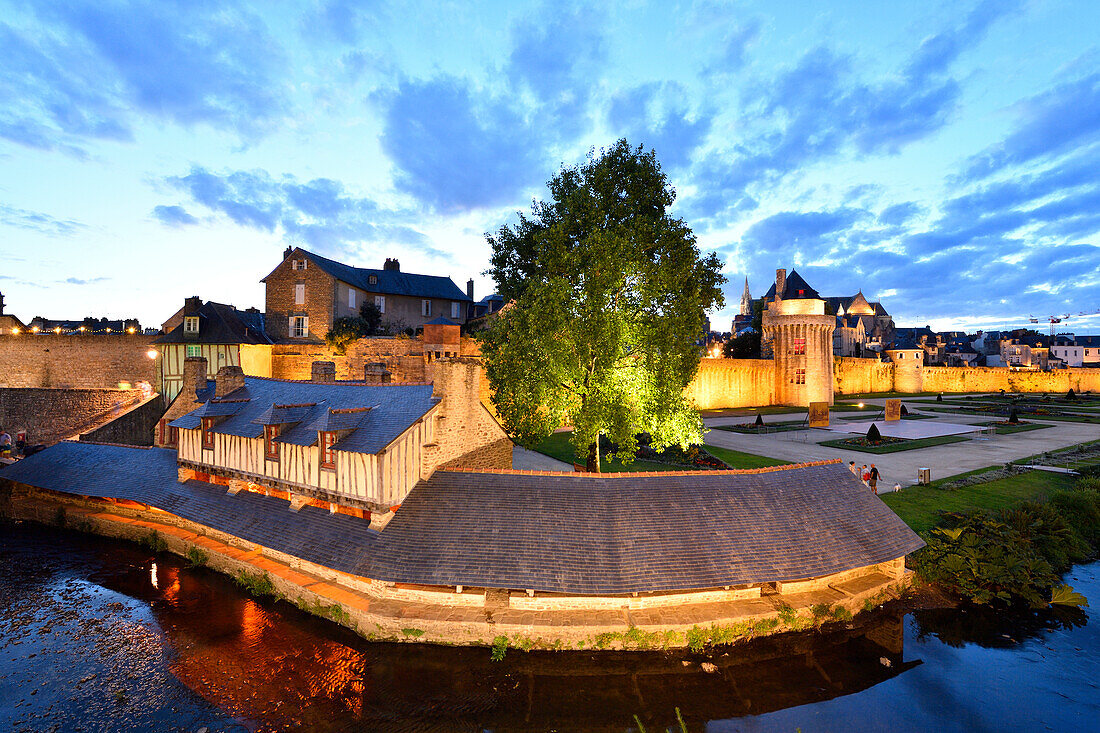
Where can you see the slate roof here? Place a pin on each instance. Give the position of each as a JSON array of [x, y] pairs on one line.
[[149, 476], [793, 284], [395, 407], [388, 282], [576, 533], [441, 321], [221, 324]]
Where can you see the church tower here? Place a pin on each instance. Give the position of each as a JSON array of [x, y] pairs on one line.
[[746, 300], [801, 335]]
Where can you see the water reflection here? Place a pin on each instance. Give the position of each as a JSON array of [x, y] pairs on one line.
[[273, 665], [994, 628]]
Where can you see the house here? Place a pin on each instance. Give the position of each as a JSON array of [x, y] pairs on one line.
[[486, 306], [357, 446], [933, 344], [9, 324], [1076, 351], [306, 293], [862, 326], [219, 333], [1019, 354]]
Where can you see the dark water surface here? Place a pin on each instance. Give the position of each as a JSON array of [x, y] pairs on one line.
[[88, 641]]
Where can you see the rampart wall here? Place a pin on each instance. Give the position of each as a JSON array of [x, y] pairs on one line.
[[993, 379], [35, 360], [856, 376], [733, 383], [405, 358], [48, 415]]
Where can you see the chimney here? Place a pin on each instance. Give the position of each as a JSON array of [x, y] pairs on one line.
[[194, 376], [287, 251], [780, 283], [376, 373], [228, 379], [323, 372], [2, 303], [191, 305], [393, 265], [470, 288]]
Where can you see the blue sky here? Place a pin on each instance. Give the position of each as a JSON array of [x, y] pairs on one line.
[[942, 156]]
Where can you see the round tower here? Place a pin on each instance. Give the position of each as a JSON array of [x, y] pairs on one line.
[[908, 362], [801, 337]]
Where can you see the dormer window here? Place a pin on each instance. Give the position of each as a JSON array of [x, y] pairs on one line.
[[372, 279], [208, 433], [190, 324], [298, 264], [271, 450], [328, 455]]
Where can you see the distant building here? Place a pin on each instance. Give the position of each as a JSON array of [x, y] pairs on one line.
[[862, 326], [800, 335], [306, 293], [9, 324], [1076, 351], [88, 325]]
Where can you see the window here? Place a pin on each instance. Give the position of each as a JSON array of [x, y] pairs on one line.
[[173, 436], [328, 456], [380, 301], [454, 309], [799, 376], [801, 293], [207, 433], [372, 279], [299, 326], [425, 307], [191, 324], [351, 298], [798, 346], [271, 450], [299, 294], [298, 264], [194, 350]]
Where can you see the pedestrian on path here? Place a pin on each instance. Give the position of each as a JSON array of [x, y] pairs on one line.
[[864, 474], [873, 479], [853, 469]]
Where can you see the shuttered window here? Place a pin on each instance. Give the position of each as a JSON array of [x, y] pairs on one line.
[[299, 326], [380, 301], [328, 456], [299, 294], [207, 433], [454, 310], [271, 449], [425, 307]]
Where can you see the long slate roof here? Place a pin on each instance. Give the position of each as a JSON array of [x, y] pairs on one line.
[[394, 408], [610, 534], [148, 475], [387, 282]]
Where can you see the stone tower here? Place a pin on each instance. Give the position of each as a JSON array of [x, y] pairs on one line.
[[801, 337], [746, 300]]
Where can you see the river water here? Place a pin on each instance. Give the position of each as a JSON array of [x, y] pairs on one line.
[[99, 635]]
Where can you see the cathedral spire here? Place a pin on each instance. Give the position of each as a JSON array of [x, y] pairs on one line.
[[746, 300]]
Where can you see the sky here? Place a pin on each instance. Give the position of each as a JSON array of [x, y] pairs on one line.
[[943, 157]]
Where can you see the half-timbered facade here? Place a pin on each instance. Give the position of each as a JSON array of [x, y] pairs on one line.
[[351, 444]]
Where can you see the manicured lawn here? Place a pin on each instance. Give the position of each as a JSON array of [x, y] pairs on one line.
[[1054, 418], [918, 505], [1009, 429], [895, 447], [737, 459], [778, 427]]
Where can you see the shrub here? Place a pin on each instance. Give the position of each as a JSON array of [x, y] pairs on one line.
[[1046, 531], [1080, 508], [1013, 418], [258, 584], [759, 421], [154, 542], [196, 557], [873, 434], [1071, 395], [500, 648]]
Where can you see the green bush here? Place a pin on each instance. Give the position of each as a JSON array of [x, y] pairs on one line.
[[258, 584], [1080, 508], [1042, 526], [500, 648]]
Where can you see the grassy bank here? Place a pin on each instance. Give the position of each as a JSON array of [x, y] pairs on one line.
[[558, 446], [737, 459], [919, 506]]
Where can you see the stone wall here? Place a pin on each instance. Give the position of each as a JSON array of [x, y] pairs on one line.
[[49, 415], [405, 358], [467, 435], [733, 383], [857, 376], [135, 425], [993, 379], [75, 361]]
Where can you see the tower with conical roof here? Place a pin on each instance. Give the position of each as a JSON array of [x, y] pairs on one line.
[[801, 334], [746, 300]]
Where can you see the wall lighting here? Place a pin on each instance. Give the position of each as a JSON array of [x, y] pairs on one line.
[[151, 353]]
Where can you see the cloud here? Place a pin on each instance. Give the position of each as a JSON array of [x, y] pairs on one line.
[[1052, 123], [88, 281], [657, 115], [457, 148], [82, 70], [807, 235], [347, 21], [735, 47], [39, 222], [937, 52], [321, 213], [174, 216]]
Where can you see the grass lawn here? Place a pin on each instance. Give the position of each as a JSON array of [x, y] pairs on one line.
[[778, 427], [751, 411], [1009, 429], [737, 459], [1054, 418], [558, 446], [919, 505], [895, 447]]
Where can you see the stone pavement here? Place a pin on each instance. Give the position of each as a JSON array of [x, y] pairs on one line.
[[901, 468], [529, 460]]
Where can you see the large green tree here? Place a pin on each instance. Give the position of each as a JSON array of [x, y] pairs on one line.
[[607, 296]]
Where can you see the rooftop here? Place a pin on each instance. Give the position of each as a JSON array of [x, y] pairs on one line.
[[386, 282]]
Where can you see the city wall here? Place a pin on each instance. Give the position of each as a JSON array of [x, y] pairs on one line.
[[84, 362], [48, 415], [733, 383], [405, 358]]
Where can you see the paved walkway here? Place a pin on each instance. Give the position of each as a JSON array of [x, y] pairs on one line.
[[901, 467], [529, 460]]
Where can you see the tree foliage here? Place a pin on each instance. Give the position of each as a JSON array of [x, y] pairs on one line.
[[607, 295]]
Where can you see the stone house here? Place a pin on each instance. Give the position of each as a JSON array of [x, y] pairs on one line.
[[1018, 354], [220, 334], [306, 293]]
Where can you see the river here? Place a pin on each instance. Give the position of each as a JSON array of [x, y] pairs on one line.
[[100, 635]]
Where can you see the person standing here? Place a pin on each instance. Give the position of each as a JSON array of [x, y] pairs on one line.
[[853, 469], [873, 479]]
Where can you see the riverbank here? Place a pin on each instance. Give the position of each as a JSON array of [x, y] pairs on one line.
[[405, 613]]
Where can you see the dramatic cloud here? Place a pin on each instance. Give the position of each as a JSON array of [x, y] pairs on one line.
[[87, 281], [320, 213], [458, 149], [39, 222], [82, 70], [656, 115]]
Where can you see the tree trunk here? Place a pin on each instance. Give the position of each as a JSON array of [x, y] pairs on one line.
[[593, 463]]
